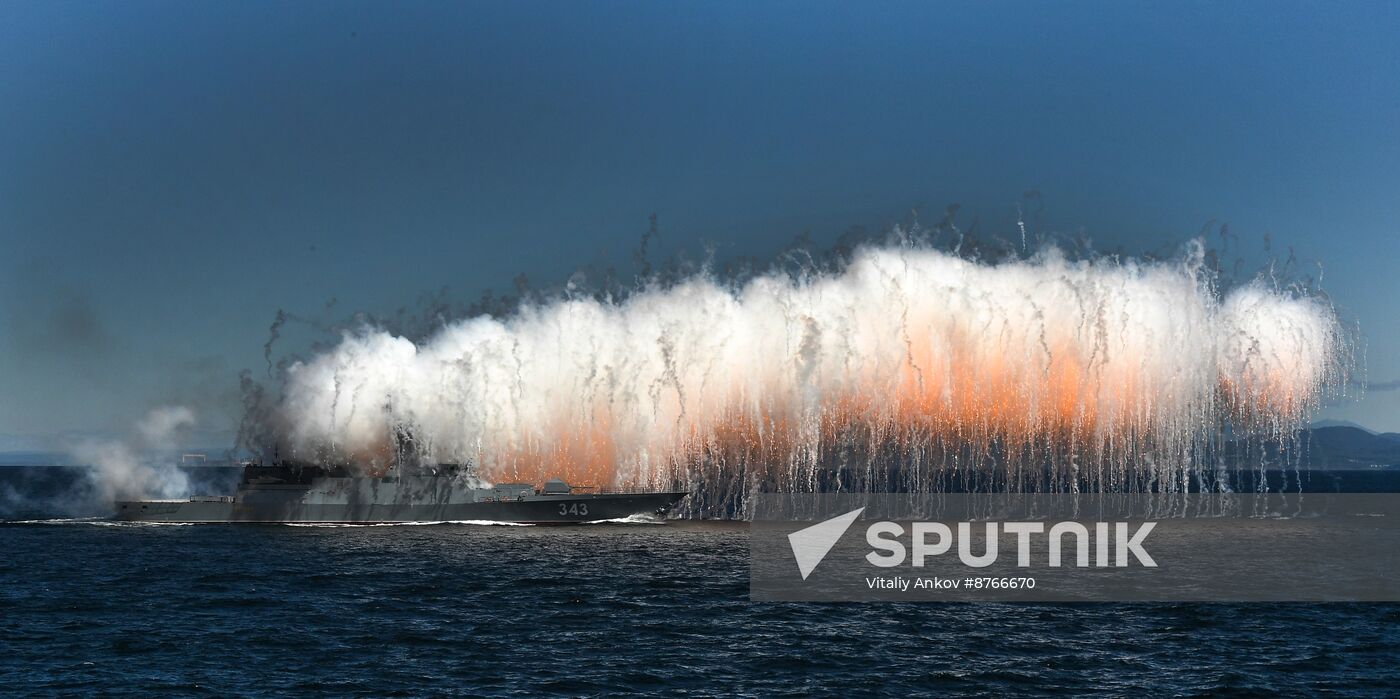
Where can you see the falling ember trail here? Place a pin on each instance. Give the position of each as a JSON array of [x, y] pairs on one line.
[[908, 368]]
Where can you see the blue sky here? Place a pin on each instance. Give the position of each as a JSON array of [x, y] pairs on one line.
[[173, 173]]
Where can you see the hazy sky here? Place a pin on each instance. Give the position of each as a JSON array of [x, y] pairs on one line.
[[173, 173]]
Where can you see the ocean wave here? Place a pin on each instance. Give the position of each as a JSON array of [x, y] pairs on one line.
[[473, 522], [95, 521], [630, 519]]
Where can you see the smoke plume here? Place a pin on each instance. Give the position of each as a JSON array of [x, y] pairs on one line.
[[900, 367], [142, 468]]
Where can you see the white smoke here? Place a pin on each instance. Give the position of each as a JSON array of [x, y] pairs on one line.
[[159, 427], [1102, 358], [142, 468]]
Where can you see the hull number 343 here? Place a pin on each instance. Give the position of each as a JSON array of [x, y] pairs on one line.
[[578, 508]]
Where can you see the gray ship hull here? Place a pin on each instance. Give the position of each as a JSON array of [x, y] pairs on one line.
[[351, 500]]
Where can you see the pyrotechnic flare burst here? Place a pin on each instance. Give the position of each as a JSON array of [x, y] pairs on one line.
[[907, 367]]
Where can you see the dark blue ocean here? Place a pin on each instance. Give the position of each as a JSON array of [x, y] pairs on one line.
[[97, 608]]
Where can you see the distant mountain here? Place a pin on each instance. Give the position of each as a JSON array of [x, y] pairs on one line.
[[13, 442], [31, 458], [1351, 444], [1339, 447], [1340, 423], [187, 457]]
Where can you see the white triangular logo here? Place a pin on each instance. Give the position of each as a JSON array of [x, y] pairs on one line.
[[810, 545]]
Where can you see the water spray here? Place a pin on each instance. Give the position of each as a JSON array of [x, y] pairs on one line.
[[907, 367]]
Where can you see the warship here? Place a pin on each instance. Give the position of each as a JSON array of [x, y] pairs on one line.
[[290, 492]]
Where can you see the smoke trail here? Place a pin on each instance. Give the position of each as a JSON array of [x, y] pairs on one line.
[[906, 366]]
